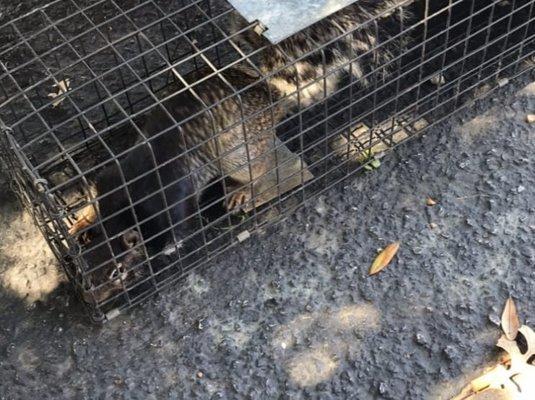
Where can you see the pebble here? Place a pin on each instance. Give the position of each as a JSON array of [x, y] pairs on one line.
[[382, 388], [451, 352], [495, 319], [421, 339]]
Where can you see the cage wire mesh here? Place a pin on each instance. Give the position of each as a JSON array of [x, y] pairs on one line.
[[146, 137]]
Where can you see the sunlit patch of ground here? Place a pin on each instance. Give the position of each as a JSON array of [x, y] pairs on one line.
[[331, 335], [477, 126], [312, 366], [528, 90], [28, 268]]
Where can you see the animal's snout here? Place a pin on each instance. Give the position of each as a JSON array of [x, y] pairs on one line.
[[88, 294], [104, 284], [86, 284], [119, 272]]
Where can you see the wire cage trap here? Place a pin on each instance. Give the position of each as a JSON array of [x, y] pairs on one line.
[[148, 136]]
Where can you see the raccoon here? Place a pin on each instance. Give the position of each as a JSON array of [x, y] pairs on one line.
[[148, 203], [308, 66]]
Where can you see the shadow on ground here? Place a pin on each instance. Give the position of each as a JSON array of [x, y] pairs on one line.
[[292, 312]]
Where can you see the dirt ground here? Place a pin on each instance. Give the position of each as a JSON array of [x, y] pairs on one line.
[[292, 313]]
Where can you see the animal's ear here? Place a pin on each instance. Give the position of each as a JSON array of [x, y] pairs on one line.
[[131, 238]]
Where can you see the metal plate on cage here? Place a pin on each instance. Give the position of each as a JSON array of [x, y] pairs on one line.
[[283, 18]]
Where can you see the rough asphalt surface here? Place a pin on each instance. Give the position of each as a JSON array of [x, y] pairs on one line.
[[292, 313]]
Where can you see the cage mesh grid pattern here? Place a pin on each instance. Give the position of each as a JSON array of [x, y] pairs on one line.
[[124, 64]]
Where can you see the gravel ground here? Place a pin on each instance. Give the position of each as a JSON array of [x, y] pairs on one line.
[[292, 313]]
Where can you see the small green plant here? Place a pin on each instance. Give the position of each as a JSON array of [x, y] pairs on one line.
[[372, 165], [367, 157]]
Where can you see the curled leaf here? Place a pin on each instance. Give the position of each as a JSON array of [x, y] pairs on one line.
[[510, 320], [430, 201], [384, 258]]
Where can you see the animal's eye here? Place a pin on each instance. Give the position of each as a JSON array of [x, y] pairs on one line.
[[121, 268]]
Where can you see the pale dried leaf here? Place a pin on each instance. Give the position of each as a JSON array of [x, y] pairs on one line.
[[510, 320], [384, 258], [62, 88], [530, 118], [64, 85]]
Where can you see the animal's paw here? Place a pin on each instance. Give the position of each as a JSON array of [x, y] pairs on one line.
[[238, 199]]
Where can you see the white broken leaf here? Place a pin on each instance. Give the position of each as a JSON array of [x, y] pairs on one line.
[[62, 88], [516, 378]]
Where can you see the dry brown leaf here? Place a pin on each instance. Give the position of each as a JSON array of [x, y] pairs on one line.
[[430, 201], [510, 320], [384, 258]]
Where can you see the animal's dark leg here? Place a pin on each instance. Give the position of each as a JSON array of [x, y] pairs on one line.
[[181, 200]]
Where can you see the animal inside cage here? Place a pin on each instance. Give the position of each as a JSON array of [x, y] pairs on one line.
[[148, 136]]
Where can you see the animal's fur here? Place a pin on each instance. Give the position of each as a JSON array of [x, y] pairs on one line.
[[234, 137], [308, 65]]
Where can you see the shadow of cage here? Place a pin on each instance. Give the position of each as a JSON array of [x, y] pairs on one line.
[[147, 137]]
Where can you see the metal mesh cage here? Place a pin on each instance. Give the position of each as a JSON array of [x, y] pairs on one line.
[[148, 136]]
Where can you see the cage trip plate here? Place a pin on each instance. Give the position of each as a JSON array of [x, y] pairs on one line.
[[283, 18]]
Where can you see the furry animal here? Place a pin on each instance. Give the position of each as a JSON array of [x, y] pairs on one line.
[[307, 66], [147, 204]]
